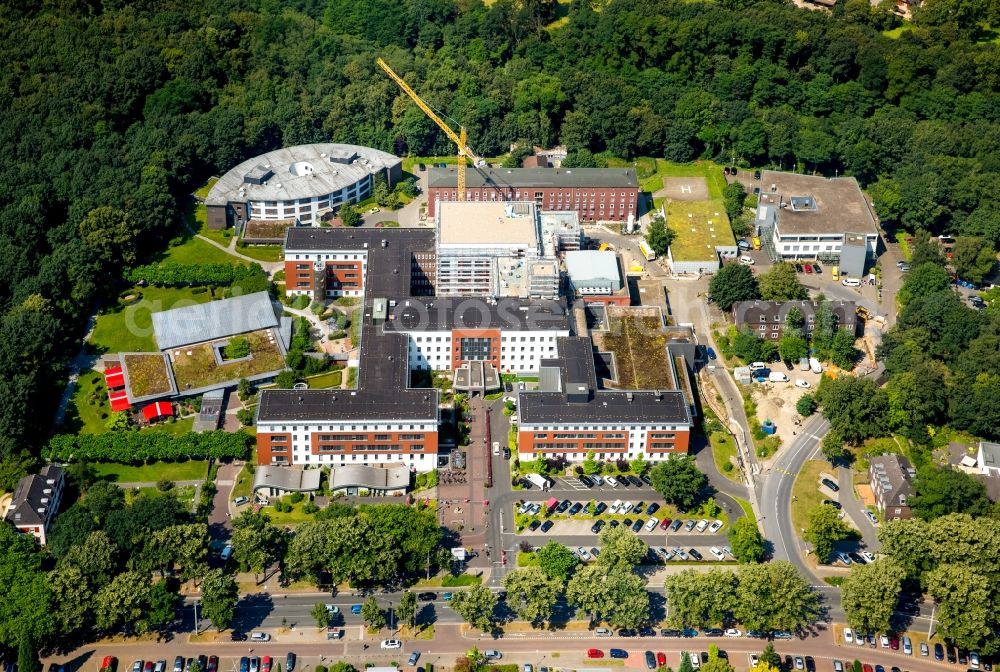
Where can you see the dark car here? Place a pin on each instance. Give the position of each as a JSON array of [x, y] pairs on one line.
[[666, 632], [789, 664], [203, 663], [733, 171], [562, 506], [652, 508], [600, 508], [634, 480], [712, 632], [963, 657], [879, 668], [711, 355], [586, 482], [817, 268], [798, 268], [626, 632], [575, 509], [950, 654], [894, 642], [179, 664], [855, 557], [909, 608], [639, 506], [650, 660], [871, 640], [695, 554], [627, 522], [830, 484], [644, 478], [535, 524], [613, 524], [756, 174], [546, 526], [938, 652], [704, 657], [637, 525], [506, 453], [676, 525], [689, 632], [213, 664], [810, 664], [618, 653], [830, 502], [427, 597], [647, 632], [244, 664], [597, 527]]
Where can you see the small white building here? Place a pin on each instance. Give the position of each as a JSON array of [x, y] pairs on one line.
[[988, 458], [593, 273]]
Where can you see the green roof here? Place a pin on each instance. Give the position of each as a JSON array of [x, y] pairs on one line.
[[699, 227]]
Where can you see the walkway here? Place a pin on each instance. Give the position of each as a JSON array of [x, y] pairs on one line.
[[269, 266], [82, 361]]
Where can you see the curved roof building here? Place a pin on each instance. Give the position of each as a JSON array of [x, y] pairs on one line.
[[301, 183]]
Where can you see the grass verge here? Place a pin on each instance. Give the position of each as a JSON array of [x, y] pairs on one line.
[[261, 252], [724, 452], [325, 380], [806, 494], [191, 470]]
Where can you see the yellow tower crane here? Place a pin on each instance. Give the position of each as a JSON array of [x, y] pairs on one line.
[[464, 151]]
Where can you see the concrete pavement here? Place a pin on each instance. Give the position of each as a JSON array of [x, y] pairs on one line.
[[856, 511]]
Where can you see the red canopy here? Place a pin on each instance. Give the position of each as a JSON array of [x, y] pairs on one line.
[[157, 409], [119, 401], [115, 380], [112, 369]]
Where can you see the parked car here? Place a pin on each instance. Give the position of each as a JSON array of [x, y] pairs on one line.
[[848, 636], [689, 525], [595, 653], [715, 526], [676, 525], [938, 651], [665, 523], [732, 632], [427, 597], [290, 662], [447, 597], [583, 554], [600, 508], [547, 525], [213, 665], [834, 504], [179, 664], [597, 527], [695, 554], [492, 654], [391, 644], [259, 636], [719, 555], [637, 525], [634, 480], [265, 664], [240, 501], [534, 525], [650, 660], [830, 484], [652, 508], [575, 509], [414, 657], [618, 653], [924, 649]]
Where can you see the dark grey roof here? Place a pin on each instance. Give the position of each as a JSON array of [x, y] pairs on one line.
[[535, 177], [750, 312], [385, 403], [27, 506], [311, 239], [442, 314], [894, 476], [213, 320], [663, 407], [575, 363], [991, 454]]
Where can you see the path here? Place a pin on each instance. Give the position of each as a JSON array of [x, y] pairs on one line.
[[856, 510], [83, 361], [269, 266]]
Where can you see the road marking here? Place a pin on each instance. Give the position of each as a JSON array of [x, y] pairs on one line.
[[685, 189]]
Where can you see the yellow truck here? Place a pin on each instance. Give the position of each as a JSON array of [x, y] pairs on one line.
[[836, 273], [756, 243]]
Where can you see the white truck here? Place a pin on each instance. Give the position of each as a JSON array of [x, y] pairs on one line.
[[647, 251], [539, 481], [815, 365], [777, 377]]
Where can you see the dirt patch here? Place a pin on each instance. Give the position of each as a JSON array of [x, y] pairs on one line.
[[776, 401], [865, 494], [684, 189]]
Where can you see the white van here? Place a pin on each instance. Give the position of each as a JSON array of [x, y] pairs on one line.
[[777, 377], [815, 365], [850, 282], [615, 507], [757, 366]]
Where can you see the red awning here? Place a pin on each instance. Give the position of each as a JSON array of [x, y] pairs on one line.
[[111, 370], [157, 409], [119, 402], [115, 380]]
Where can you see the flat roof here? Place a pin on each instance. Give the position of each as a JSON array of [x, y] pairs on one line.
[[487, 223], [700, 227], [509, 314], [317, 239], [502, 178], [593, 267], [660, 407], [301, 171], [379, 403], [837, 204], [214, 320]]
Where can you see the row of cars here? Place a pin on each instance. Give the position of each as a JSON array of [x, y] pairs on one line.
[[203, 663], [896, 643], [691, 632]]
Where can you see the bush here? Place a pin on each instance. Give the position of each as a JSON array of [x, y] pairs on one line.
[[245, 416], [310, 508], [170, 274], [300, 302], [297, 497], [806, 405], [136, 447], [727, 467], [238, 348]]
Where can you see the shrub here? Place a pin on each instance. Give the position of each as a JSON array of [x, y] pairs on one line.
[[300, 302], [727, 467], [136, 447], [170, 274], [806, 405], [238, 348], [297, 497], [310, 508]]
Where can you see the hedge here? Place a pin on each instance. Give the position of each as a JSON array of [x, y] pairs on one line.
[[139, 447], [170, 274]]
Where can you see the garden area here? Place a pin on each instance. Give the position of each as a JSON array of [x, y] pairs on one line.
[[196, 367], [188, 470], [640, 350], [147, 374], [805, 492], [89, 411]]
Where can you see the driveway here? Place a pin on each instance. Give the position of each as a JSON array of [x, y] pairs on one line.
[[856, 510]]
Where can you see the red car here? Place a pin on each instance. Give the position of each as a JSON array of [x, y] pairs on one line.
[[661, 659], [595, 653], [265, 664], [148, 667], [109, 663], [808, 268], [894, 643], [665, 523], [867, 668]]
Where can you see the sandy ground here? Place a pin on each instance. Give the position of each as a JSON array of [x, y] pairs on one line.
[[683, 189], [776, 401]]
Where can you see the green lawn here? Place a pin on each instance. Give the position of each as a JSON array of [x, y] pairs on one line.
[[699, 226], [191, 470], [904, 247], [653, 181], [196, 217], [262, 252], [724, 452], [244, 481], [183, 493], [806, 494], [89, 409], [294, 517], [202, 191], [129, 328], [747, 509], [196, 251], [325, 380]]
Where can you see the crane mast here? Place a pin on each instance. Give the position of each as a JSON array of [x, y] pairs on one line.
[[460, 138]]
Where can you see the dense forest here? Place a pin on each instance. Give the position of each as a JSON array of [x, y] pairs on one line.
[[115, 110]]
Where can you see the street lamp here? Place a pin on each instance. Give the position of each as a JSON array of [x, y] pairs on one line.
[[195, 605]]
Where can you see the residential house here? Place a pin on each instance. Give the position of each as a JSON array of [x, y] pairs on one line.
[[36, 501], [767, 318], [891, 480]]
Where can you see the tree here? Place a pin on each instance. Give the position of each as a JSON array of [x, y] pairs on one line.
[[406, 611], [25, 595], [256, 543], [620, 549], [679, 481], [587, 591], [557, 561], [792, 347], [697, 599], [746, 540], [111, 233], [734, 195], [733, 283], [856, 407], [943, 490], [770, 657], [658, 236], [372, 614], [842, 351], [162, 603], [925, 250], [237, 348], [532, 594], [349, 215], [321, 615], [685, 665], [476, 606], [628, 597], [590, 465], [781, 283], [638, 465], [924, 280], [119, 421], [27, 654], [834, 449], [220, 593], [973, 258], [244, 389], [124, 603], [965, 613], [716, 663], [751, 348], [806, 405], [869, 594], [774, 596], [825, 529]]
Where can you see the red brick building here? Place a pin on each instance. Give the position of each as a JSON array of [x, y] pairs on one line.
[[596, 194]]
